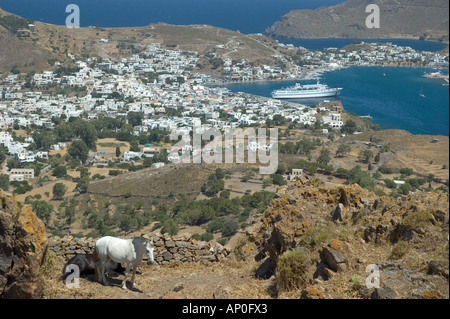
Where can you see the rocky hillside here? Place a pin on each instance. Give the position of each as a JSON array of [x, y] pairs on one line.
[[398, 18], [23, 243], [312, 242], [322, 240]]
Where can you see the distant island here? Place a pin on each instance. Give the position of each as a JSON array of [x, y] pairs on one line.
[[424, 19]]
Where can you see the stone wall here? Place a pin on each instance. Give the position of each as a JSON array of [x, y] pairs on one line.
[[168, 249]]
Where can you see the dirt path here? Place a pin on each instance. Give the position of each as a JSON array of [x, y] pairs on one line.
[[230, 279]]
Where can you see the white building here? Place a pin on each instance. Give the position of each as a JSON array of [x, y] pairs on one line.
[[21, 174], [129, 155]]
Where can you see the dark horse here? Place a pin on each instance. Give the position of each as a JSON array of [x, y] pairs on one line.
[[86, 266]]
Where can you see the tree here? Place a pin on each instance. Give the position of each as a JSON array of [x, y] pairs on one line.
[[230, 227], [362, 178], [84, 171], [170, 226], [43, 138], [343, 149], [83, 184], [324, 157], [42, 209], [349, 128], [406, 171], [64, 132], [278, 179], [89, 135], [365, 156], [376, 159], [135, 118], [118, 151], [2, 153], [59, 190], [4, 181], [390, 183], [306, 145], [60, 171], [404, 189], [79, 149]]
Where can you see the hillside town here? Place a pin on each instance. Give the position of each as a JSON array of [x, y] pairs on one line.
[[160, 84]]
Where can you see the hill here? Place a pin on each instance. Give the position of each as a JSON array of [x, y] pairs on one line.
[[398, 19], [33, 48], [312, 242]]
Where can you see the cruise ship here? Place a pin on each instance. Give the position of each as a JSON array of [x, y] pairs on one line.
[[307, 91]]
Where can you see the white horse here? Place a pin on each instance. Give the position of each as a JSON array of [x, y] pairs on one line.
[[127, 251]]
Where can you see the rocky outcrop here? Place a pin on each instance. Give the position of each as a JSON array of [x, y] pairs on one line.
[[23, 243], [346, 229]]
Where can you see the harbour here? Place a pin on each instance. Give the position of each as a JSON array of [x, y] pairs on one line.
[[392, 100]]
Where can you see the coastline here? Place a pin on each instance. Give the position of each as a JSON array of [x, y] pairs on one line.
[[318, 74], [373, 120]]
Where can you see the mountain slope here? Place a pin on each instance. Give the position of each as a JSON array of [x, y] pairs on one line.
[[398, 18], [27, 48]]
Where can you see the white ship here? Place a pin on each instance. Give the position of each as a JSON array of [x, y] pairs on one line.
[[307, 91]]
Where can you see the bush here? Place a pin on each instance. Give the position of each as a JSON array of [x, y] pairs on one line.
[[59, 190], [204, 237], [386, 170], [230, 227], [170, 226], [278, 179], [114, 172], [399, 250], [417, 219], [357, 281], [291, 270], [406, 171], [390, 183], [405, 189]]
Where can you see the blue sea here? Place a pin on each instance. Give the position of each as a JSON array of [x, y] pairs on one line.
[[393, 100], [247, 16]]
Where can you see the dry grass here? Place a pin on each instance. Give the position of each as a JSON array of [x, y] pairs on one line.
[[48, 188], [230, 279]]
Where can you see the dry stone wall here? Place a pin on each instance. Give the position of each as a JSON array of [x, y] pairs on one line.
[[168, 249]]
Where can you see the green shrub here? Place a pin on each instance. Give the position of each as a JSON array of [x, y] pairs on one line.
[[170, 226], [417, 219], [356, 280], [291, 270], [399, 250]]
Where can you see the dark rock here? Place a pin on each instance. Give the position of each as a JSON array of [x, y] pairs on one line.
[[383, 293], [265, 270], [338, 214], [332, 258]]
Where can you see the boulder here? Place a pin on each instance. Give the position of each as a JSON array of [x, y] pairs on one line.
[[338, 213], [23, 243], [313, 292], [335, 255]]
